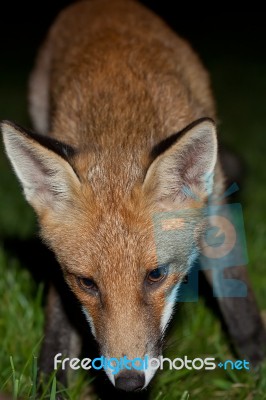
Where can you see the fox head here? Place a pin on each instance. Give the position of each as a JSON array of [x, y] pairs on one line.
[[114, 256]]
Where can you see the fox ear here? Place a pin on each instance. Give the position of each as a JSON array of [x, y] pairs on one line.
[[41, 165], [185, 169]]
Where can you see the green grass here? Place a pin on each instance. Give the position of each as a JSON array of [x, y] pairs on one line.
[[240, 89]]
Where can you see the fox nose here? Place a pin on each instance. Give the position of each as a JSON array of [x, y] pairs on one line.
[[130, 380]]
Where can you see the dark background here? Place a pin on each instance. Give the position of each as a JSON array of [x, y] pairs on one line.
[[23, 26]]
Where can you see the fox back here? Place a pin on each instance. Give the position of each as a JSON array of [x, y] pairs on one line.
[[123, 115]]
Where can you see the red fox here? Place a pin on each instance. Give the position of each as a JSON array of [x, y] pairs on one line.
[[124, 120]]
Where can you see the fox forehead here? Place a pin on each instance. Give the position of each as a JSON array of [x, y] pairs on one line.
[[100, 233]]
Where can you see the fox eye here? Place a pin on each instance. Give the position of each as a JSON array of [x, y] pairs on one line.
[[87, 284], [157, 275]]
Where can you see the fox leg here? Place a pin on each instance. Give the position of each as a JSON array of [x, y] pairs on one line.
[[60, 337]]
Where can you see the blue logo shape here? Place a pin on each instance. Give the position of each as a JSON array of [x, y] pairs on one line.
[[223, 246]]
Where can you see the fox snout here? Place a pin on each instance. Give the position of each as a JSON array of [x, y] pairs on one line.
[[126, 322], [128, 345], [130, 381]]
